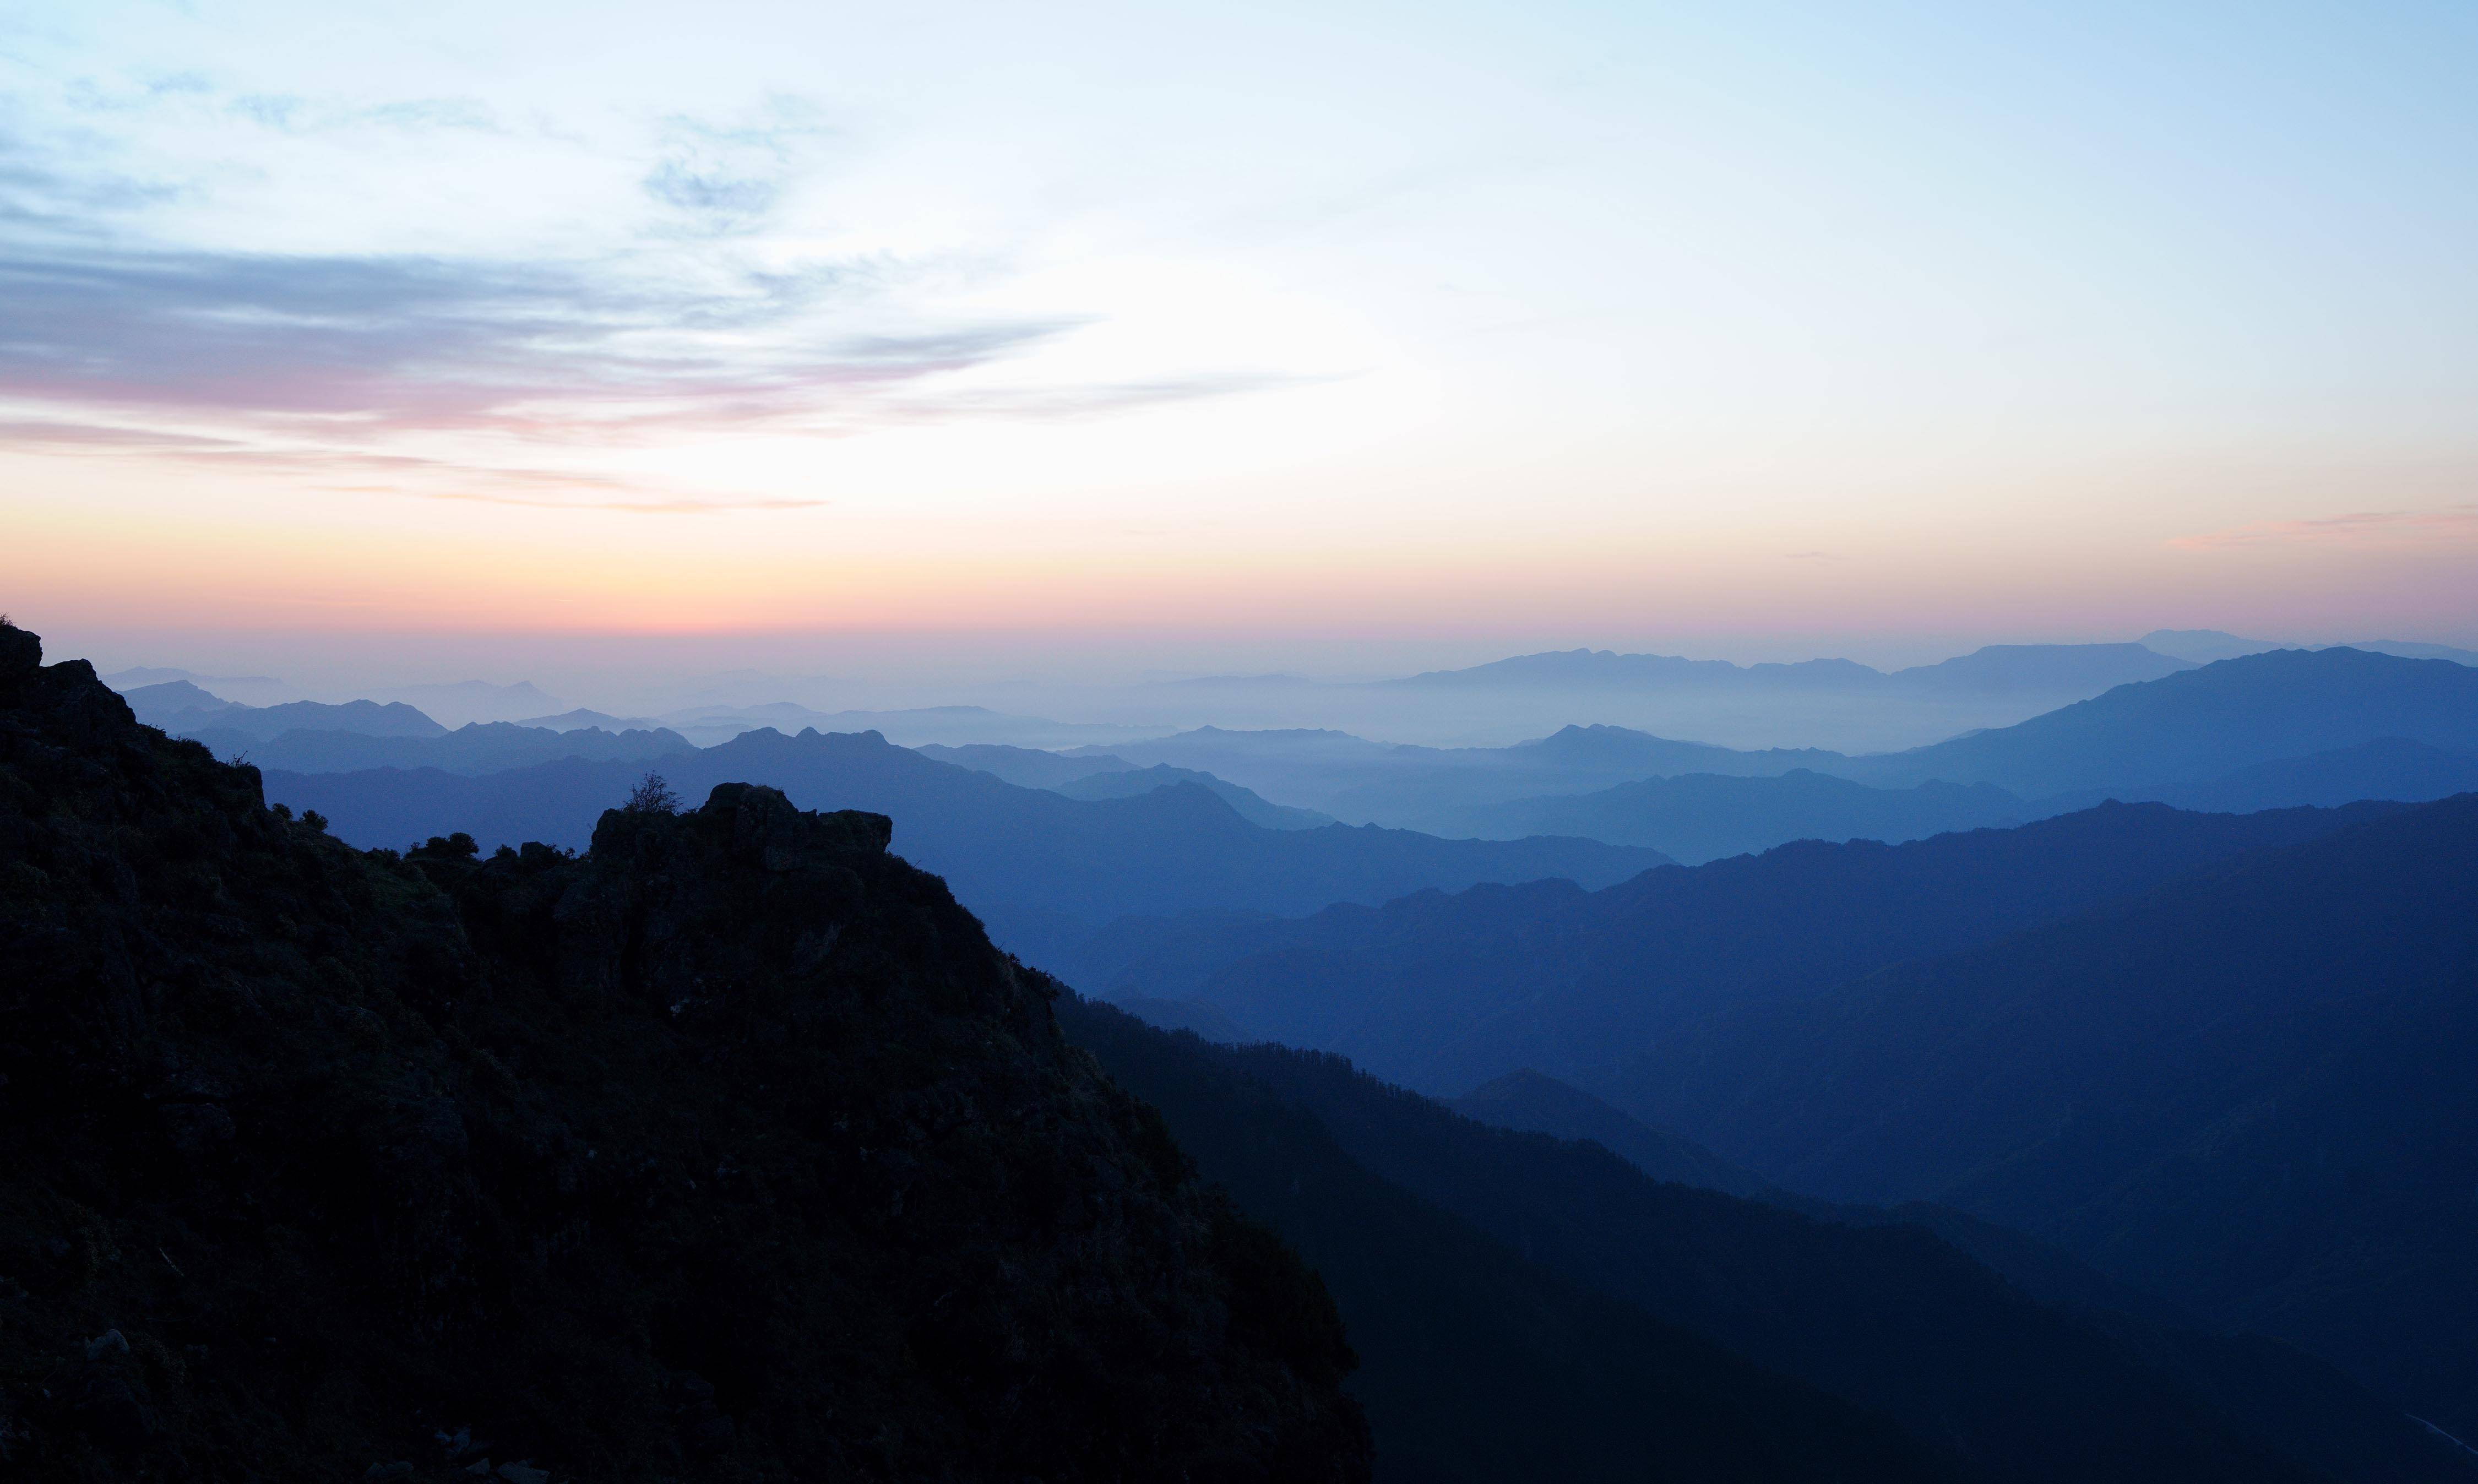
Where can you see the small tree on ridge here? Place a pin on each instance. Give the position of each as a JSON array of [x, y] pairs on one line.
[[652, 797]]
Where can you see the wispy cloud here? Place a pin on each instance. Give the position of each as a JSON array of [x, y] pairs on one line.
[[103, 438], [411, 475], [454, 374], [2361, 527], [367, 345], [674, 506], [288, 112], [721, 178]]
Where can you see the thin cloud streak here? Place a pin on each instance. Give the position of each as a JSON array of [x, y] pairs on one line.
[[205, 452], [661, 507], [2334, 530], [398, 344]]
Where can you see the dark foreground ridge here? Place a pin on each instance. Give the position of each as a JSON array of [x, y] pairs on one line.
[[728, 1150]]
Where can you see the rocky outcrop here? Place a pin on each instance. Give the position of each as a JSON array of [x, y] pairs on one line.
[[727, 1150]]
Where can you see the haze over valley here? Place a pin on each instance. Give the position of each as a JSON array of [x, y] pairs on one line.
[[1550, 743]]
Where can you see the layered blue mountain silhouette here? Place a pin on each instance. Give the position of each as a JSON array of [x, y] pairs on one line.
[[1527, 1308], [2080, 1098], [1043, 870]]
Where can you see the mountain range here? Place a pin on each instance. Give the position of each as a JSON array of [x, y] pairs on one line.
[[2205, 646], [2038, 669], [2203, 723], [1698, 816], [2245, 1088], [2125, 1142], [1442, 992], [2264, 731], [1607, 1303], [1043, 870], [478, 748], [2218, 1057]]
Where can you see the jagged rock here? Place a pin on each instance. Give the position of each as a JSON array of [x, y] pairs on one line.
[[107, 1410], [195, 1127], [515, 1139], [104, 1346]]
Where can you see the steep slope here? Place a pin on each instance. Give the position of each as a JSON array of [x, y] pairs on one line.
[[1042, 869], [1883, 1315], [1703, 817], [1533, 1102], [1476, 1365], [2248, 1090], [2281, 1397], [2205, 723], [728, 1150], [1444, 992]]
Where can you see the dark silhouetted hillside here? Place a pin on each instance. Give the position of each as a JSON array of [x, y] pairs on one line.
[[1534, 1103], [1184, 1015], [1044, 870], [727, 1150], [2248, 1090], [1883, 1315], [1474, 1364]]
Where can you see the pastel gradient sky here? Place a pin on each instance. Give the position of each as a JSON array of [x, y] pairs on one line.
[[1329, 336]]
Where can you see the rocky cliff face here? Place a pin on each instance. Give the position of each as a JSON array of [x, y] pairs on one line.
[[728, 1150]]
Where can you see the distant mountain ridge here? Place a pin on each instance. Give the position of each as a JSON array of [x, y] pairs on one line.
[[1444, 991], [1106, 775], [1043, 870], [181, 709], [2204, 646], [1247, 803], [479, 747], [2387, 768], [2198, 725], [2173, 737], [1700, 817], [2081, 669]]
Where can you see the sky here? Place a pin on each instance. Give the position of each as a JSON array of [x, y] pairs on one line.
[[1124, 340]]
